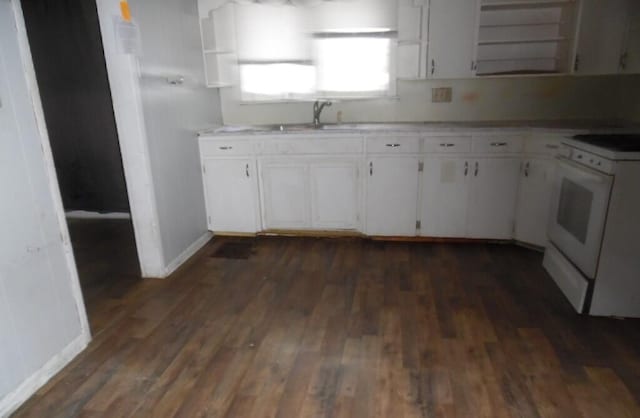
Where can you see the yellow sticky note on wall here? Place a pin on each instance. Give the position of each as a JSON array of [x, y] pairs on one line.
[[125, 12]]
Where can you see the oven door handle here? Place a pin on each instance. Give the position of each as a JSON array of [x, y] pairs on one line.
[[583, 172]]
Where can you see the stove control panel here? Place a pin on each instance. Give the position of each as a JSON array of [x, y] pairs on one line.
[[591, 160]]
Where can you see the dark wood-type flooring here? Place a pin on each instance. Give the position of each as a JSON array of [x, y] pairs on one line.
[[304, 327]]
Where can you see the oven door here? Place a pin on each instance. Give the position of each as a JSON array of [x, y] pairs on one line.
[[578, 213]]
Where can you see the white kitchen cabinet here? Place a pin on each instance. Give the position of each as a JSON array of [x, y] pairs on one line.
[[231, 191], [453, 27], [601, 36], [335, 194], [534, 200], [492, 199], [630, 63], [392, 196], [285, 194], [445, 191]]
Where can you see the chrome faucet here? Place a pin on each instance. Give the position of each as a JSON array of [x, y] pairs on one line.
[[317, 110]]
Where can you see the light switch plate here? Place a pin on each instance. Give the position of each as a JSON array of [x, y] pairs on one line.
[[441, 95]]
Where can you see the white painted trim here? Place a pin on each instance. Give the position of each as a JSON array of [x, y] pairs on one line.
[[123, 74], [83, 214], [188, 253], [28, 387], [32, 85]]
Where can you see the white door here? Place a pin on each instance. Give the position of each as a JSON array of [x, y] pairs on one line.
[[231, 192], [601, 38], [334, 195], [534, 200], [631, 55], [453, 29], [41, 308], [285, 195], [445, 191], [392, 196], [492, 199]]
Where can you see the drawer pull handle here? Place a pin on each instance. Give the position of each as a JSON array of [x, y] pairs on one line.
[[225, 148], [498, 144], [526, 169], [466, 168], [552, 146], [370, 168], [447, 144], [393, 145], [246, 169], [475, 174]]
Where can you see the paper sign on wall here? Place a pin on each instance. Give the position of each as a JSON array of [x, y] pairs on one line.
[[127, 36]]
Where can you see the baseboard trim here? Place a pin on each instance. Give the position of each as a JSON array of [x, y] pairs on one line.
[[83, 214], [188, 253], [29, 386]]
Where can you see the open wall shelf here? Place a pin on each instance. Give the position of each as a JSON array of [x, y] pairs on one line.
[[525, 37]]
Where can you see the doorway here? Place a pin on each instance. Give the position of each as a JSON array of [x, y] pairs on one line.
[[67, 53]]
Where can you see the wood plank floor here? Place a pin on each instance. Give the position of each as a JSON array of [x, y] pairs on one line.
[[308, 327]]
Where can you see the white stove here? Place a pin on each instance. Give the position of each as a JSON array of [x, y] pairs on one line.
[[594, 231]]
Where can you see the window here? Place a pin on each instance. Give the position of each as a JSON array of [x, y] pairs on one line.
[[337, 49], [353, 66]]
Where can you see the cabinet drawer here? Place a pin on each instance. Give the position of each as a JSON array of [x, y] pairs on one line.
[[447, 144], [225, 148], [393, 144], [312, 146], [544, 145], [496, 144]]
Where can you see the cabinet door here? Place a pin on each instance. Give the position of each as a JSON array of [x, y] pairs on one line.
[[534, 199], [285, 195], [334, 195], [231, 191], [492, 199], [445, 191], [602, 31], [392, 195], [453, 29], [631, 56]]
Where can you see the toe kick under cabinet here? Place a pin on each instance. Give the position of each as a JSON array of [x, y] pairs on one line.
[[448, 185]]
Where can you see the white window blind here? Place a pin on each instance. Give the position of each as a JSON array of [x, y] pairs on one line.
[[302, 50]]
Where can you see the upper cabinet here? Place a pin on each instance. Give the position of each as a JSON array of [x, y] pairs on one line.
[[630, 61], [601, 39], [452, 36], [526, 37]]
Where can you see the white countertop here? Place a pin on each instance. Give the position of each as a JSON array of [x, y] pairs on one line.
[[442, 127]]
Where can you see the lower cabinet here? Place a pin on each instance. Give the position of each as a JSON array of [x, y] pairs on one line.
[[335, 196], [492, 198], [445, 191], [285, 195], [231, 193], [310, 194], [534, 200], [392, 196], [471, 198]]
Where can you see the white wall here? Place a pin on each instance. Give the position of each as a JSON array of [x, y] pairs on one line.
[[43, 323], [173, 115], [157, 125], [487, 99]]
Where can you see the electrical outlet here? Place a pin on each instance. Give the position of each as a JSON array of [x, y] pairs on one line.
[[441, 95]]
